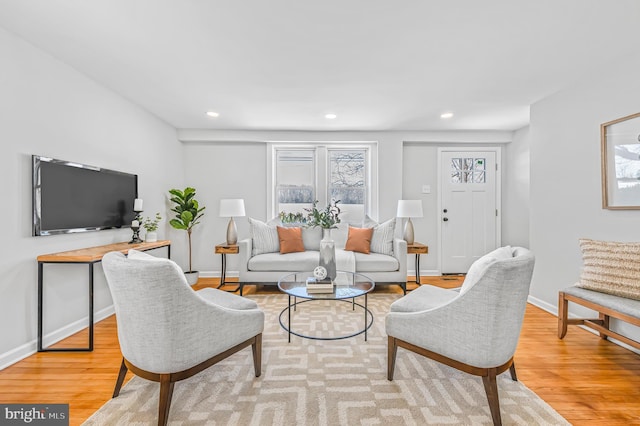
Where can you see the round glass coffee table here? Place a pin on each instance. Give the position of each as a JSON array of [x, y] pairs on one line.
[[347, 287]]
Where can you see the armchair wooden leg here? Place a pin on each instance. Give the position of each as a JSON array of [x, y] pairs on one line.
[[605, 323], [121, 375], [562, 315], [166, 391], [491, 388], [256, 347], [512, 370], [392, 350]]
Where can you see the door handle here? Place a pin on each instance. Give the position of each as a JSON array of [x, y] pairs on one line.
[[445, 219]]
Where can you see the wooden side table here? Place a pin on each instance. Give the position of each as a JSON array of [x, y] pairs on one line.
[[417, 249], [223, 250]]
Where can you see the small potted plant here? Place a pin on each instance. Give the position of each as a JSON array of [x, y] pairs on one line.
[[188, 214], [151, 226]]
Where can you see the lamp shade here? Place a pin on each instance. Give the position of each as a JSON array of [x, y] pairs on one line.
[[409, 208], [232, 207]]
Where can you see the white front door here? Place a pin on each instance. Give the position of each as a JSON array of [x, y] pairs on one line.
[[469, 216]]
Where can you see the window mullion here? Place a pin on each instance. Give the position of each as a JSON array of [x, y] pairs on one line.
[[322, 175]]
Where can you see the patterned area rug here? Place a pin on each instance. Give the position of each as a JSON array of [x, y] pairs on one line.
[[315, 382]]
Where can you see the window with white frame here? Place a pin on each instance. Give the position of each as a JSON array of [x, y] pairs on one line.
[[306, 172]]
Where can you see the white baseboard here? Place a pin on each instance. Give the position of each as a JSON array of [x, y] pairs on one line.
[[217, 274], [30, 348], [552, 309], [424, 273], [235, 274]]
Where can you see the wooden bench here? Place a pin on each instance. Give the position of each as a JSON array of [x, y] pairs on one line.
[[607, 305]]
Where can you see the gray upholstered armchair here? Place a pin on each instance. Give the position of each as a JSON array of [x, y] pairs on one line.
[[476, 329], [167, 331]]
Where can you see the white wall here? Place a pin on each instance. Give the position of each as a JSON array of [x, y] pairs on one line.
[[566, 197], [515, 187], [233, 164], [47, 108]]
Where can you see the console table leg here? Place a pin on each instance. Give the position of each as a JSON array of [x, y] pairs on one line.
[[40, 297], [418, 269], [91, 306]]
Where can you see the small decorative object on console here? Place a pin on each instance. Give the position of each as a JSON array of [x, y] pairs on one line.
[[135, 223]]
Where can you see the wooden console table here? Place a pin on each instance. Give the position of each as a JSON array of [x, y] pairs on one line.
[[88, 256]]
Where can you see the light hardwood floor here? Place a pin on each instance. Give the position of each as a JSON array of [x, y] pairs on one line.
[[587, 380]]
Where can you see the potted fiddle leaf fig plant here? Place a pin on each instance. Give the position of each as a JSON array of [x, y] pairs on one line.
[[188, 213]]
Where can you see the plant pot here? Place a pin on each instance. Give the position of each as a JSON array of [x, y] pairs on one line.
[[192, 277], [151, 237]]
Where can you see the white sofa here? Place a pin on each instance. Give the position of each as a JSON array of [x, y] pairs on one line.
[[387, 266]]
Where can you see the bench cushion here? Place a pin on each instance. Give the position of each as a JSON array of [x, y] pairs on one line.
[[611, 267], [623, 305]]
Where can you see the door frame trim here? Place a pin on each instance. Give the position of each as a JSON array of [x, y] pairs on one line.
[[498, 152]]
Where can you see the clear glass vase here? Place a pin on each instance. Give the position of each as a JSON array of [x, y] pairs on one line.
[[328, 254]]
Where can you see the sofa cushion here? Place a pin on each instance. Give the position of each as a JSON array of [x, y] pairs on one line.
[[339, 234], [376, 262], [264, 236], [611, 267], [382, 239], [227, 300], [290, 239], [311, 238], [423, 298], [479, 267], [290, 262], [359, 240]]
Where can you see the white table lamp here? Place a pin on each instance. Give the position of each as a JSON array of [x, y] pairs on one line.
[[232, 208], [409, 209]]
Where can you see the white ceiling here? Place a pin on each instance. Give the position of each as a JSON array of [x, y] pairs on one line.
[[377, 64]]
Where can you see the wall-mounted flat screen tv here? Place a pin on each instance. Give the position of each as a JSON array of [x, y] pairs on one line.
[[71, 197]]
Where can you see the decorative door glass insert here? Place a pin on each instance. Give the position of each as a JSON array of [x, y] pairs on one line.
[[468, 170]]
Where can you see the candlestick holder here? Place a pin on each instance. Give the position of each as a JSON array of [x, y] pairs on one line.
[[136, 229]]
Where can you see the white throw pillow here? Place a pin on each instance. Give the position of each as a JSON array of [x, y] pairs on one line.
[[382, 239], [265, 237], [479, 267], [311, 238], [339, 234]]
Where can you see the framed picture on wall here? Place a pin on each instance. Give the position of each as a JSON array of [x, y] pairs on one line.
[[620, 145]]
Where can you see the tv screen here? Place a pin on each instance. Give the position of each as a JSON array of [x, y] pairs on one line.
[[70, 197]]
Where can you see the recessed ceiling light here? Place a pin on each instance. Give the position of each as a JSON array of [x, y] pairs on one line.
[[446, 115], [330, 116], [212, 114]]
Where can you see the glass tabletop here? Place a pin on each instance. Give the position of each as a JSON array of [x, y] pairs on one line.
[[346, 285]]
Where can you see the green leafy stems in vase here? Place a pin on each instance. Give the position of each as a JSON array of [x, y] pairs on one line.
[[327, 218], [151, 224]]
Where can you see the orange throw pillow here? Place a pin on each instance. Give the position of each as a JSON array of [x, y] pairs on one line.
[[290, 240], [359, 240]]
